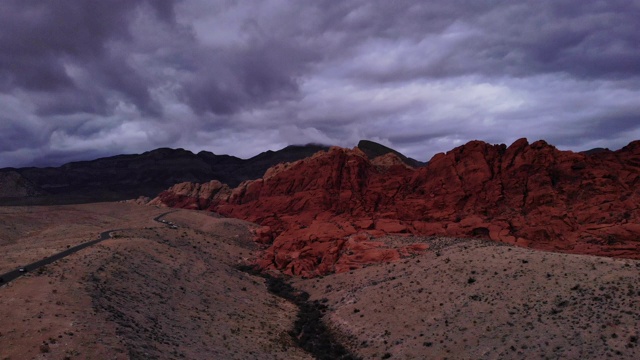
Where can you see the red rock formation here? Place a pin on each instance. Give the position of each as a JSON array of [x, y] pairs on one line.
[[319, 214], [188, 195]]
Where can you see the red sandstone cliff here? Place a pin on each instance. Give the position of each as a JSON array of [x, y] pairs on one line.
[[319, 214]]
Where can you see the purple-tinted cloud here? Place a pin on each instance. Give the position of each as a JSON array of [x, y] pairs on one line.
[[81, 79]]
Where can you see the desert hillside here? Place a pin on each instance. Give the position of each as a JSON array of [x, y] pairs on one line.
[[153, 292], [472, 299]]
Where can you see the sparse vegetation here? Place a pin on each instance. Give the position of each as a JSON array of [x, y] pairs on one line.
[[309, 332], [173, 293]]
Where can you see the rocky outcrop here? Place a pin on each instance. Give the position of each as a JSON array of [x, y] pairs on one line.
[[322, 214], [193, 196], [535, 195], [315, 213]]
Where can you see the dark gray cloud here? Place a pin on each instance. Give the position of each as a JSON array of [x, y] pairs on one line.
[[81, 79], [38, 37]]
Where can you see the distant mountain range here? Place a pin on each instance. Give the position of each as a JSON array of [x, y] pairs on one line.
[[123, 177], [130, 176]]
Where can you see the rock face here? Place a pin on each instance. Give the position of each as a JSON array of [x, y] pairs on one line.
[[195, 196], [320, 214]]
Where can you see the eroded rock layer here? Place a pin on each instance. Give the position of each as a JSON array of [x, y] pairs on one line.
[[321, 214]]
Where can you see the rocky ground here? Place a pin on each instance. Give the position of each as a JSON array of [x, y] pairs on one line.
[[154, 292]]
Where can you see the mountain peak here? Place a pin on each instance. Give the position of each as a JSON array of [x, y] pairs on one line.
[[373, 150]]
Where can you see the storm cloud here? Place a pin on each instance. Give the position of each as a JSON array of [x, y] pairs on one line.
[[90, 78]]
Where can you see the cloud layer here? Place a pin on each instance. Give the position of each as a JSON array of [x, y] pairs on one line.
[[90, 78]]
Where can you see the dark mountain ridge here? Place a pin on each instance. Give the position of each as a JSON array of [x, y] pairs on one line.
[[373, 150], [129, 176]]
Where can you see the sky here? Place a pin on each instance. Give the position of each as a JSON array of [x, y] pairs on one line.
[[82, 79]]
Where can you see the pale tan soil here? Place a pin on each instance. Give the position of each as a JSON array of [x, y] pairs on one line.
[[482, 300], [153, 292]]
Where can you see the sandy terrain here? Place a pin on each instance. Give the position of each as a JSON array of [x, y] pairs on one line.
[[471, 299], [149, 293], [158, 293]]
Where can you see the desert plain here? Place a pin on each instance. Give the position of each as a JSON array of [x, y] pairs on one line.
[[156, 292]]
